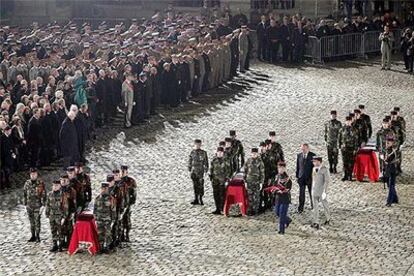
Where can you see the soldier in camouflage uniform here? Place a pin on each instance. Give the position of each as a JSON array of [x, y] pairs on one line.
[[131, 187], [69, 209], [85, 181], [348, 143], [332, 128], [238, 152], [78, 187], [366, 119], [34, 198], [114, 198], [276, 154], [228, 153], [198, 166], [382, 135], [103, 216], [219, 173], [54, 212], [121, 203], [399, 130], [254, 176]]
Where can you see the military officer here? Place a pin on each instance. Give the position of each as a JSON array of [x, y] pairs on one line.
[[348, 143], [69, 209], [131, 187], [198, 166], [365, 117], [390, 158], [54, 212], [103, 216], [254, 176], [34, 199], [382, 135], [219, 173], [85, 180], [400, 135], [238, 151], [332, 128], [276, 154]]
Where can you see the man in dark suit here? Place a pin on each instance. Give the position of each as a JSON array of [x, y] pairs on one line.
[[261, 31], [304, 168]]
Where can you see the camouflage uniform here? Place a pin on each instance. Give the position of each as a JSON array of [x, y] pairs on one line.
[[254, 175], [399, 130], [265, 198], [69, 208], [103, 215], [362, 131], [238, 155], [332, 128], [275, 156], [219, 172], [228, 155], [114, 199], [348, 142], [131, 189], [54, 212], [382, 136], [198, 165], [34, 199]]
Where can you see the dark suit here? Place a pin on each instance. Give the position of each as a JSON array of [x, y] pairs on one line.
[[261, 30], [304, 169]]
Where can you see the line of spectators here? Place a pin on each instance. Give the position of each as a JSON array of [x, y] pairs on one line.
[[58, 83]]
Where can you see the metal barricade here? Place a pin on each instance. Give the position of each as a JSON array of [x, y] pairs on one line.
[[372, 44], [313, 49], [341, 45]]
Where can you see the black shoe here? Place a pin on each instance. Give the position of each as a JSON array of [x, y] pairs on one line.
[[32, 239], [195, 202], [344, 178], [281, 233], [216, 212], [388, 205], [54, 247], [327, 222], [315, 225]]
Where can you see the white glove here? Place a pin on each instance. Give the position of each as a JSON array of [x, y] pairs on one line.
[[323, 196]]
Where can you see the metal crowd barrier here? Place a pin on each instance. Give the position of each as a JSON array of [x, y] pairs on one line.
[[347, 45]]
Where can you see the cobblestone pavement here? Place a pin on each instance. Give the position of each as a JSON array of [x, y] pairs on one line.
[[171, 237]]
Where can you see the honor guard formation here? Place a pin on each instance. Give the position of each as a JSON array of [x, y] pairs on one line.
[[265, 176]]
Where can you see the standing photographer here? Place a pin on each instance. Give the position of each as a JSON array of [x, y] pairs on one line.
[[386, 39]]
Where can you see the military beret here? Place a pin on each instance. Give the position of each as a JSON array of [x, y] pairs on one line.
[[220, 149], [385, 120], [222, 143], [348, 118], [197, 141], [64, 176], [262, 144], [227, 139], [268, 141], [388, 117], [104, 185], [232, 132], [70, 169], [56, 182], [357, 111], [361, 106], [281, 164], [352, 115], [272, 133], [33, 170], [124, 167], [317, 158], [333, 112], [78, 164], [255, 150], [394, 112], [109, 178], [396, 109]]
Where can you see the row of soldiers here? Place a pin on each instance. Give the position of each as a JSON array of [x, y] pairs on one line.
[[259, 169], [71, 195], [355, 133]]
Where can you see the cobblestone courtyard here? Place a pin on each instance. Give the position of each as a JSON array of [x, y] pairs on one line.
[[172, 237]]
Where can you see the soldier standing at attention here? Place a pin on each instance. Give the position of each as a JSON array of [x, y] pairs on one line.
[[391, 171], [121, 203], [198, 166], [131, 186], [219, 172], [275, 154], [332, 128], [254, 176], [243, 48], [361, 128], [69, 208], [348, 143], [238, 152], [366, 119], [34, 198], [77, 186], [382, 135], [54, 212], [103, 215], [265, 198], [113, 195], [85, 181]]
